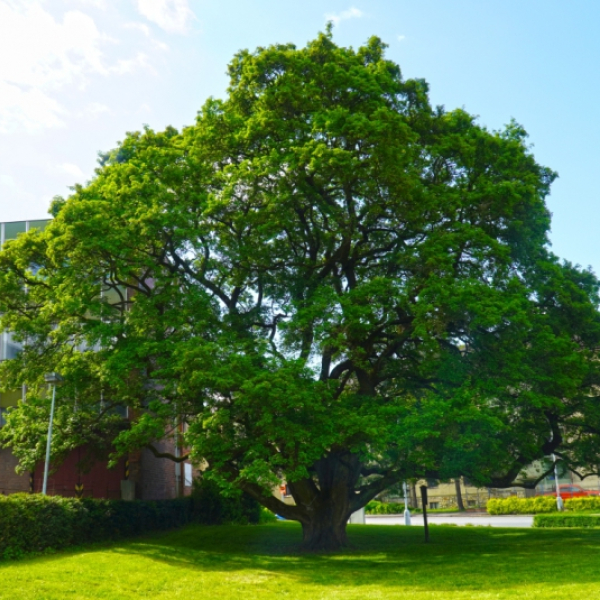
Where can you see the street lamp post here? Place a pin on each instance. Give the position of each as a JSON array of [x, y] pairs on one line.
[[406, 510], [51, 379], [559, 501]]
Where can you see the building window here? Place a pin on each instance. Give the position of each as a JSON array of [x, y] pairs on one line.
[[434, 505], [187, 474], [12, 230], [8, 347], [284, 490]]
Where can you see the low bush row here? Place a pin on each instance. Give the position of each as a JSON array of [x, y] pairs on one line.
[[521, 506], [31, 523], [375, 507], [566, 520], [539, 505], [586, 503], [36, 523]]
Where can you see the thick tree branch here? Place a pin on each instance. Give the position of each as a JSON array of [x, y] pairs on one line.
[[158, 454]]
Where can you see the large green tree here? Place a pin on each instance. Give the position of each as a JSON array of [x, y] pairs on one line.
[[325, 279]]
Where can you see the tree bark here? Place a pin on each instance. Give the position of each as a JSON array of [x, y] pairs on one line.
[[328, 503], [326, 531], [459, 499]]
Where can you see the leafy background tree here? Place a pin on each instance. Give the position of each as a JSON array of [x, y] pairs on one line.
[[326, 279]]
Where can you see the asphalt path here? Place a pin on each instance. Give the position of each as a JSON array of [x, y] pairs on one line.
[[481, 519]]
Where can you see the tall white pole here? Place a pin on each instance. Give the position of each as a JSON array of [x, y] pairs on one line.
[[406, 510], [559, 501], [49, 441]]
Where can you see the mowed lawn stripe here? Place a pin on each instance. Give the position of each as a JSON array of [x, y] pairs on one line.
[[262, 562]]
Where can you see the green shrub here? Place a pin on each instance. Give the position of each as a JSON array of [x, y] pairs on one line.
[[539, 505], [521, 506], [375, 507], [211, 507], [35, 523], [266, 516], [566, 520], [586, 503]]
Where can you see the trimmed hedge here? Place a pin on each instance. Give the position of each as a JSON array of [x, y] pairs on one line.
[[36, 523], [566, 520], [375, 507], [585, 503], [539, 505], [521, 506]]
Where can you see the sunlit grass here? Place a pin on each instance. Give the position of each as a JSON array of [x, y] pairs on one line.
[[263, 562]]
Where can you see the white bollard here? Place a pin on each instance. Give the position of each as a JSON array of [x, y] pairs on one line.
[[358, 517], [406, 509]]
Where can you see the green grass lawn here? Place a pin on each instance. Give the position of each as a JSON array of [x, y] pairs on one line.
[[262, 562]]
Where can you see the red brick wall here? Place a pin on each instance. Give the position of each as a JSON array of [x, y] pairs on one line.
[[154, 477], [10, 482], [98, 482]]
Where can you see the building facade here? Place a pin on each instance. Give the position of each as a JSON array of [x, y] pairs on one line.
[[149, 478]]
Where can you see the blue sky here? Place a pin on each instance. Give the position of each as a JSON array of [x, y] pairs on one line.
[[76, 74]]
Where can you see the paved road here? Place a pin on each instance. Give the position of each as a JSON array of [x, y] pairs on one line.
[[476, 519]]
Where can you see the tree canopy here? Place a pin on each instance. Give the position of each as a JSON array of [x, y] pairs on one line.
[[326, 279]]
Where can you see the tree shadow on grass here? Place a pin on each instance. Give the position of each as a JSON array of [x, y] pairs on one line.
[[456, 558]]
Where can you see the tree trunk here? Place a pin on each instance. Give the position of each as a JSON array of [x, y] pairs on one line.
[[323, 514], [324, 533], [323, 502], [459, 499], [328, 506]]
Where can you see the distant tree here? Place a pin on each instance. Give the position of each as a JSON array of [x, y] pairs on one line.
[[325, 279], [459, 500]]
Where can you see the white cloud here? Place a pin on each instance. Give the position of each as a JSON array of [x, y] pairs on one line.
[[44, 52], [147, 33], [161, 45], [401, 38], [170, 15], [95, 109], [139, 26], [101, 4], [29, 109], [8, 181], [40, 55], [71, 169], [144, 109], [128, 65], [351, 13]]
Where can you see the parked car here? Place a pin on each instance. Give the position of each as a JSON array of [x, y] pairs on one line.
[[570, 491]]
